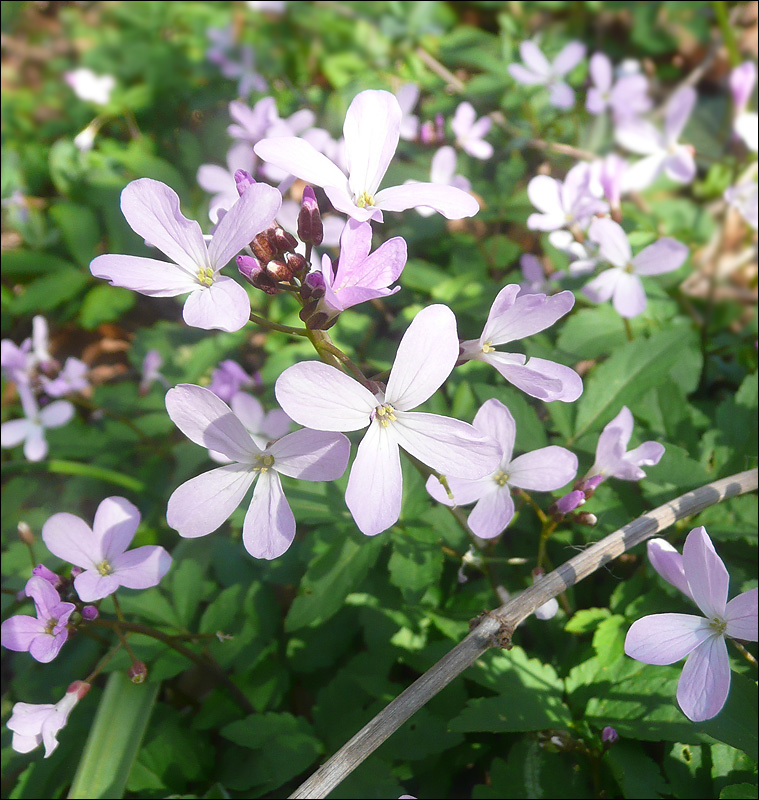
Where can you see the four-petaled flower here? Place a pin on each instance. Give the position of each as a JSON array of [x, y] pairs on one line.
[[101, 551], [665, 638], [31, 430], [621, 283], [563, 204], [202, 504], [470, 132], [263, 427], [34, 724], [538, 70], [44, 635], [371, 131], [542, 470], [626, 98], [514, 317], [322, 397], [152, 210]]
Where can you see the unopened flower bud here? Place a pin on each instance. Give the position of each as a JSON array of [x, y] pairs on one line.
[[76, 571], [609, 736], [297, 263], [90, 612], [589, 485], [263, 246], [138, 672], [41, 571], [80, 688], [313, 286], [569, 502], [25, 533], [586, 518], [278, 271], [310, 227], [284, 242], [256, 275], [243, 180]]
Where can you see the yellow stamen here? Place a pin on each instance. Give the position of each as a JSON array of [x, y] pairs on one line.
[[205, 276], [385, 414], [487, 348], [104, 568], [501, 478], [365, 199], [264, 463]]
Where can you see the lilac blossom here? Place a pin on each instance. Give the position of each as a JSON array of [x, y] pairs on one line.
[[470, 132], [536, 281], [72, 378], [251, 124], [31, 429], [621, 284], [514, 317], [199, 506], [666, 638], [215, 302], [408, 96], [746, 125], [34, 724], [221, 183], [371, 131], [90, 86], [360, 275], [298, 124], [544, 470], [443, 171], [537, 70], [744, 197], [17, 361], [626, 98], [101, 551], [563, 204], [44, 635], [228, 379], [263, 427], [150, 373], [243, 70], [662, 149], [613, 460], [611, 172], [583, 256], [322, 397]]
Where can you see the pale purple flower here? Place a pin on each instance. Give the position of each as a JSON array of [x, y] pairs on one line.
[[611, 176], [563, 204], [408, 96], [538, 70], [274, 7], [223, 42], [626, 98], [151, 366], [443, 171], [101, 551], [609, 735], [43, 572], [662, 149], [228, 379], [742, 79], [622, 284], [17, 361], [72, 378], [44, 635], [535, 279], [666, 638], [583, 256], [31, 429], [612, 458], [324, 398], [299, 124], [747, 128], [262, 426], [371, 131], [251, 124], [199, 506], [41, 343], [515, 317], [542, 470], [744, 197], [34, 724], [360, 275], [89, 86], [221, 182], [152, 210], [470, 131]]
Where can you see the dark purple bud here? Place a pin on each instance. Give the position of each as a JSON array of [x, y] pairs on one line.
[[256, 275], [609, 736], [90, 613], [25, 533], [297, 263], [278, 271], [284, 242], [568, 503], [313, 287], [244, 181], [310, 227], [41, 571], [263, 246], [138, 672]]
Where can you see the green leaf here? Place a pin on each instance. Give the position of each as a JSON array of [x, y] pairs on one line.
[[736, 723], [739, 791], [80, 229], [330, 577], [586, 620], [416, 562], [120, 723], [50, 291], [637, 774], [105, 304], [625, 376]]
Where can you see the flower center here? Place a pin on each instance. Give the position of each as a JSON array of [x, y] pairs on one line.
[[104, 568], [385, 414], [264, 463], [487, 347], [629, 268], [718, 625], [205, 276], [365, 199], [501, 478], [51, 625]]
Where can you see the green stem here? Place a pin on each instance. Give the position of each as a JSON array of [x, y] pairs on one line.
[[628, 329], [726, 29], [275, 326]]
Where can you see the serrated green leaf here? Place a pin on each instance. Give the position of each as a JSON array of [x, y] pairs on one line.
[[637, 774]]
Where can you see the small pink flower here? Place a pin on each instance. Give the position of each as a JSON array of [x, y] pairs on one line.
[[34, 724], [229, 378], [470, 132], [665, 638], [626, 98], [101, 551], [537, 70]]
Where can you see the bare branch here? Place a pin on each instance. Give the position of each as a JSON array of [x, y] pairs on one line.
[[494, 626]]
